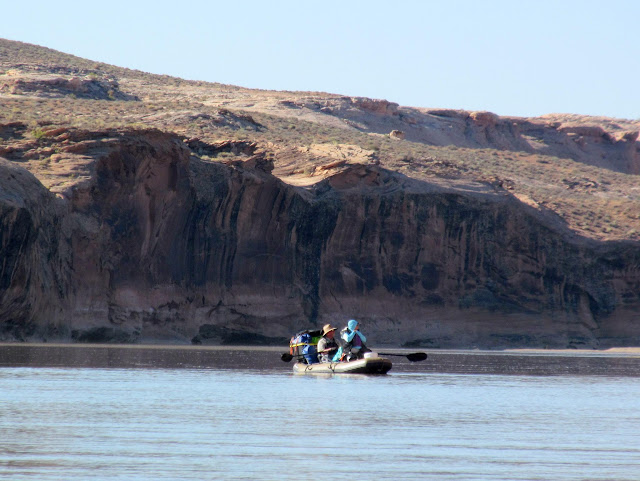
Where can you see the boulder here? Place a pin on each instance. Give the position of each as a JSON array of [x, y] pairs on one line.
[[484, 119], [397, 135], [380, 107]]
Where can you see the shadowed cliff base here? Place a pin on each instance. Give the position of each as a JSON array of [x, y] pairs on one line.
[[138, 239]]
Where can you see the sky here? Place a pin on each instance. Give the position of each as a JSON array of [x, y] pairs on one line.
[[516, 57]]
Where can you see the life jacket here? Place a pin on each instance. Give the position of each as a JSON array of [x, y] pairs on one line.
[[330, 344]]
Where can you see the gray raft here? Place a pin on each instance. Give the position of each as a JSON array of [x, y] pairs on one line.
[[369, 365]]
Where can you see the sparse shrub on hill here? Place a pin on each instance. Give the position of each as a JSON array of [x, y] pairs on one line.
[[592, 201]]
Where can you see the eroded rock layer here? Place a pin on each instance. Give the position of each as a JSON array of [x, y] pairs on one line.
[[148, 242]]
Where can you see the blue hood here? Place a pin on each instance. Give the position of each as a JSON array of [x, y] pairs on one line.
[[352, 324]]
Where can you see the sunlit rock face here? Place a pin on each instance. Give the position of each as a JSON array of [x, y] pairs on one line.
[[153, 244]]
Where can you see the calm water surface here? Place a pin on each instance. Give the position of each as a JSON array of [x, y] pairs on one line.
[[196, 414]]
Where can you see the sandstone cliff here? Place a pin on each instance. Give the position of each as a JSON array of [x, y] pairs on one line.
[[146, 208], [583, 140], [149, 242]]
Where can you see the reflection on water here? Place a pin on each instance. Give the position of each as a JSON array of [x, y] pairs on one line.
[[212, 413], [268, 358], [112, 356]]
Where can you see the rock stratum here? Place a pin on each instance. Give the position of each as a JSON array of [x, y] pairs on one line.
[[149, 242], [137, 208]]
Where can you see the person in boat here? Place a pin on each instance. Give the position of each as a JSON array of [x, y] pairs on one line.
[[351, 342], [327, 345]]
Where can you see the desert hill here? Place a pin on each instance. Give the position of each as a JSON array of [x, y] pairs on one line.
[[140, 207]]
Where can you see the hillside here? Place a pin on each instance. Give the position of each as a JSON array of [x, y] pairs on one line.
[[535, 220], [576, 167]]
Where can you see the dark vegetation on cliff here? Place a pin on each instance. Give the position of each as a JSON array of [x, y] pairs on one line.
[[137, 207]]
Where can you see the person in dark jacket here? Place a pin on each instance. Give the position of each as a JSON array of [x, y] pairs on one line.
[[327, 345]]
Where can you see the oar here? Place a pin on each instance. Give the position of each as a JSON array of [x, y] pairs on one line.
[[413, 357], [286, 357]]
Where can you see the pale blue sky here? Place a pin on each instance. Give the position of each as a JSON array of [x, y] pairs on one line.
[[509, 57]]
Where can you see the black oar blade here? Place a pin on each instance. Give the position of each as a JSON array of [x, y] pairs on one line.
[[417, 356], [286, 357]]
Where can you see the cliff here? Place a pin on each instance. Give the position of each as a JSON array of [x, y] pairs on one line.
[[600, 142], [146, 208], [148, 242]]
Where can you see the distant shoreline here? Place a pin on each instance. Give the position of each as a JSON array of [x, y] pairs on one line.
[[614, 351]]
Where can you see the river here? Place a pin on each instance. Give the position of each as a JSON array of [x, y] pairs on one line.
[[196, 413]]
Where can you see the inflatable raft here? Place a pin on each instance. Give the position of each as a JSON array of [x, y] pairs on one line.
[[369, 365]]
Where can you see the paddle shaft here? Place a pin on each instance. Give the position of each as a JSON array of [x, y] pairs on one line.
[[413, 357]]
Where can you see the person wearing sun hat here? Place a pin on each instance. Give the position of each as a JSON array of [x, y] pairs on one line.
[[327, 345]]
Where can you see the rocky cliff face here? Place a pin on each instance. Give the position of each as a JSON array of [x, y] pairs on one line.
[[30, 286], [615, 148], [53, 86], [149, 242]]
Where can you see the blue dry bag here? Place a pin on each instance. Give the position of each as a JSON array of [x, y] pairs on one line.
[[309, 350]]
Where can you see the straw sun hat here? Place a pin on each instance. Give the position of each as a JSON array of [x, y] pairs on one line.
[[326, 328]]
